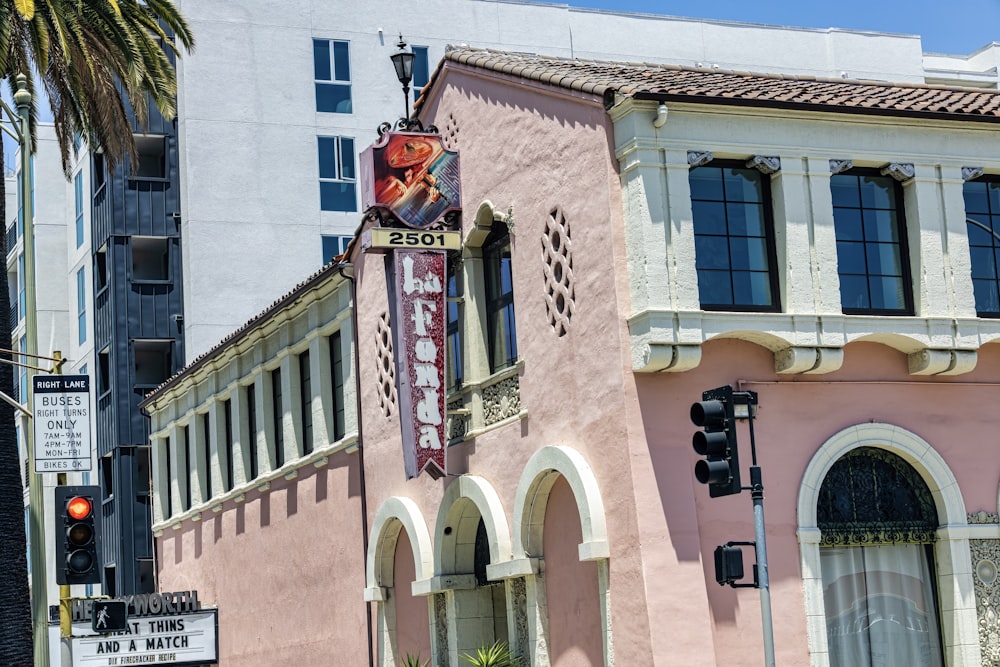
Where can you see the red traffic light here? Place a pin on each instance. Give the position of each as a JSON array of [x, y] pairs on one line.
[[79, 508]]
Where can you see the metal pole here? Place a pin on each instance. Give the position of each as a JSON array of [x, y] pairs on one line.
[[757, 492], [36, 492]]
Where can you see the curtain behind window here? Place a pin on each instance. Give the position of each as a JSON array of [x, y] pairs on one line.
[[880, 609]]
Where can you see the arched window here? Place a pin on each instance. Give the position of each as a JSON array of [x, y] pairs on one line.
[[877, 518], [501, 332]]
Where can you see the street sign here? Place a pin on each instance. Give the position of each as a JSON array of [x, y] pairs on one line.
[[181, 639], [109, 616], [61, 423]]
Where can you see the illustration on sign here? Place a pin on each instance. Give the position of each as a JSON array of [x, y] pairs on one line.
[[420, 294], [61, 423], [412, 176]]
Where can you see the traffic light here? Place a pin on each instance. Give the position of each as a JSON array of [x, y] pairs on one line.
[[720, 468], [728, 564], [77, 540]]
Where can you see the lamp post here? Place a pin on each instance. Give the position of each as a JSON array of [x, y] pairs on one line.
[[402, 60]]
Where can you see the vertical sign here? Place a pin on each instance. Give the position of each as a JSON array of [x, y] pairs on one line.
[[420, 282], [61, 423]]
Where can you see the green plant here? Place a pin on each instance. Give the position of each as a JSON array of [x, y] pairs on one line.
[[414, 661], [495, 655]]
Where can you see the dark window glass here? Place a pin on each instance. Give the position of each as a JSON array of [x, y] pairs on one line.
[[305, 401], [337, 370], [337, 185], [500, 324], [333, 98], [421, 69], [335, 196], [277, 415], [321, 59], [871, 244], [187, 470], [206, 434], [169, 490], [332, 70], [341, 61], [734, 238], [251, 443], [453, 364], [334, 246], [227, 413], [982, 220]]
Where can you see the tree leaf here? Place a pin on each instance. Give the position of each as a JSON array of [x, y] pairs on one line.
[[25, 8]]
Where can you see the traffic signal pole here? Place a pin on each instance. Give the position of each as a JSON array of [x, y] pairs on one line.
[[720, 470], [757, 494]]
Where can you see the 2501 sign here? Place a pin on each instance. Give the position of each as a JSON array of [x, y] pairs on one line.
[[399, 238]]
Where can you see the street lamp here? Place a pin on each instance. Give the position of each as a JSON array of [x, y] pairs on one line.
[[402, 60]]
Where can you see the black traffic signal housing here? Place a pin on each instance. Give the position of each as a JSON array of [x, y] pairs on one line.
[[728, 564], [78, 535], [720, 468]]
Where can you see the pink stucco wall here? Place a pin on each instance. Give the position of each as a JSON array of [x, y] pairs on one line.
[[285, 569], [571, 587], [412, 636]]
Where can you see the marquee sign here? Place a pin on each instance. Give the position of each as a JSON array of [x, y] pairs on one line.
[[420, 327], [411, 176]]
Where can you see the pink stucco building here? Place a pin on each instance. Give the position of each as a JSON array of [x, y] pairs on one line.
[[631, 237]]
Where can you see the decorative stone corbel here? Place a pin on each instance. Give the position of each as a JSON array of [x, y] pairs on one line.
[[808, 360], [972, 173], [941, 362], [839, 166], [765, 164], [656, 357], [901, 171], [699, 158]]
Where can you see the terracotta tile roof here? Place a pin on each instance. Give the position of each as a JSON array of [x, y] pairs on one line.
[[712, 86]]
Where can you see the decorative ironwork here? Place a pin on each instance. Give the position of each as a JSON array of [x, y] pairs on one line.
[[557, 270], [872, 496], [985, 557], [501, 400], [406, 125]]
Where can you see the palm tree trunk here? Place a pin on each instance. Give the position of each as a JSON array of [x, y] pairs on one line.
[[16, 648]]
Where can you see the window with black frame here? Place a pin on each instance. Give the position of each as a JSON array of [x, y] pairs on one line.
[[453, 364], [501, 331], [982, 219], [734, 238], [872, 255]]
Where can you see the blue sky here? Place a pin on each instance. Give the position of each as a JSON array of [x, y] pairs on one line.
[[946, 26]]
